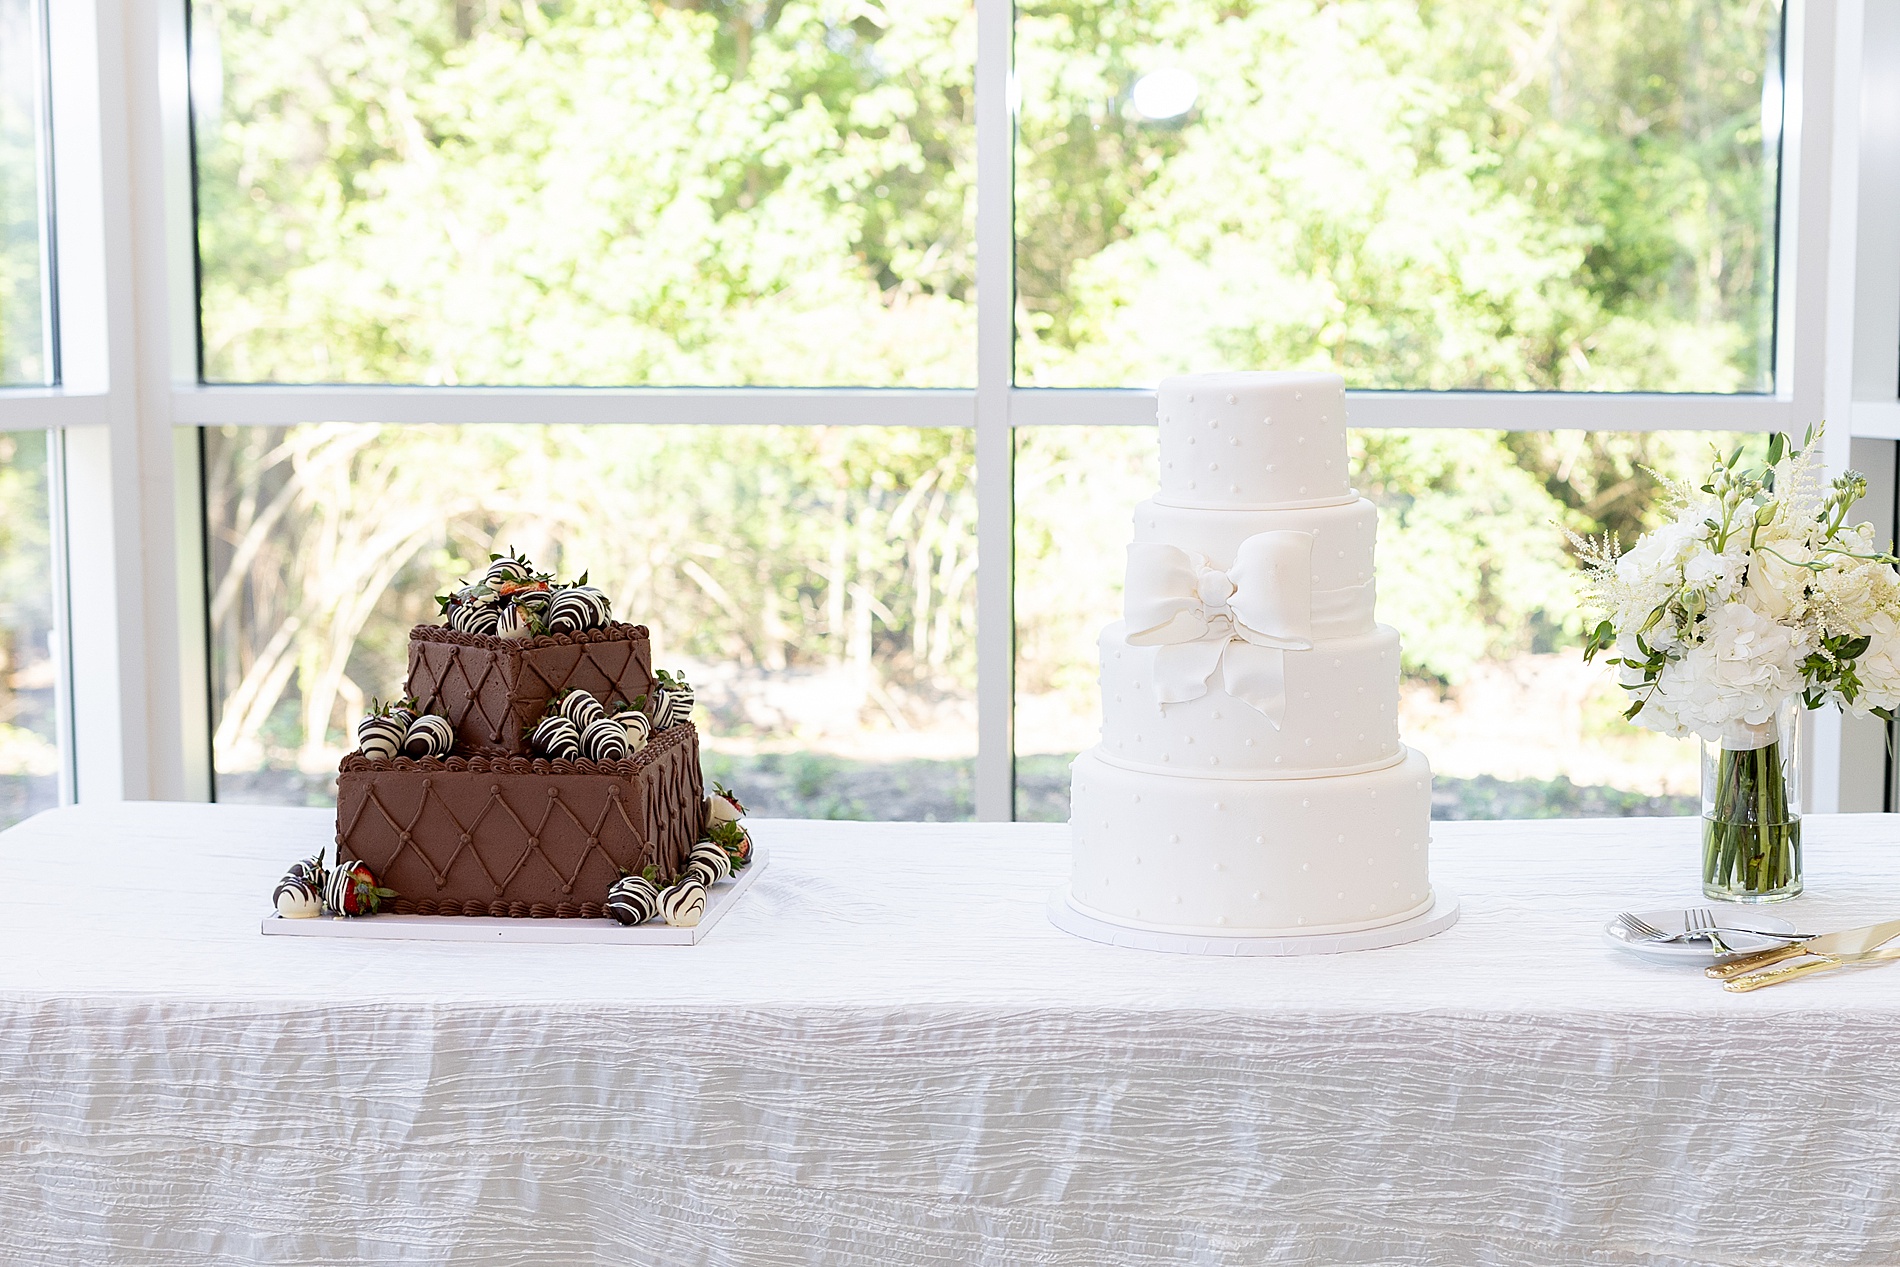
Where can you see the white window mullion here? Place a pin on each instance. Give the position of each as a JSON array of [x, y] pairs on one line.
[[995, 442], [1816, 322], [283, 406]]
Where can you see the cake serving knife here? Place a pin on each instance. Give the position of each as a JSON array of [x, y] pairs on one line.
[[1830, 950]]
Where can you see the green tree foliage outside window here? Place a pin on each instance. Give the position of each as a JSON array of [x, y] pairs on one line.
[[1500, 194]]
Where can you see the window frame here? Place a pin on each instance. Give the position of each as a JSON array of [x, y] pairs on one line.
[[131, 404]]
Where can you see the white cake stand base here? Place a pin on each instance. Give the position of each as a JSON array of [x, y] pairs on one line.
[[719, 899], [1442, 915]]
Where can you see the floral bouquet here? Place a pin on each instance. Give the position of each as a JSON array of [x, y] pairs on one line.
[[1756, 600]]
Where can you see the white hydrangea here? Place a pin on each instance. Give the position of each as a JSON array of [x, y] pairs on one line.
[[1754, 593], [1730, 683]]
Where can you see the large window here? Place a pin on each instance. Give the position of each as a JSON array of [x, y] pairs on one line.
[[1481, 195], [814, 583], [587, 192], [26, 309], [1505, 194], [30, 694]]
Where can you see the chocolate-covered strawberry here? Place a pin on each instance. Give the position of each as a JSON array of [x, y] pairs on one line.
[[636, 726], [632, 900], [735, 840], [568, 612], [713, 858], [351, 889], [722, 805], [507, 569], [604, 740], [297, 898], [514, 622], [555, 738], [310, 870], [379, 736], [578, 707], [428, 736], [672, 701], [475, 620], [684, 904]]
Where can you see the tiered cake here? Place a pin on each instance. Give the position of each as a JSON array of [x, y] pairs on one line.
[[1250, 780], [489, 830]]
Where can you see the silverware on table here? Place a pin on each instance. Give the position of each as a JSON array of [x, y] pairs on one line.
[[1699, 924], [1817, 954]]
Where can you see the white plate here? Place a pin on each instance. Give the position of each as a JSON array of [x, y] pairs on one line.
[[1698, 951]]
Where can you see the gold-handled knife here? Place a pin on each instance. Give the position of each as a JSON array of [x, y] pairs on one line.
[[1820, 963], [1837, 946]]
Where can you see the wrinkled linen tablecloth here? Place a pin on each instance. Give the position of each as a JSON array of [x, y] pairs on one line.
[[886, 1055]]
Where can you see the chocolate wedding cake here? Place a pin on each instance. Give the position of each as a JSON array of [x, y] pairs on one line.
[[537, 763], [1250, 780]]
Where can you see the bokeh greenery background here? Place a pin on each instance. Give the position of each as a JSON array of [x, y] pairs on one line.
[[1500, 194]]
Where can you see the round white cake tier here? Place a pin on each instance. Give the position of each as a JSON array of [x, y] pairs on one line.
[[1342, 714], [1253, 440], [1344, 537], [1251, 857]]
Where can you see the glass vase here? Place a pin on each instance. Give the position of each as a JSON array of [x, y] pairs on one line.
[[1751, 810]]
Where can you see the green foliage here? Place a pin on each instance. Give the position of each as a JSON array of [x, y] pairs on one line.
[[1488, 193], [23, 315], [1479, 193], [593, 191], [812, 549]]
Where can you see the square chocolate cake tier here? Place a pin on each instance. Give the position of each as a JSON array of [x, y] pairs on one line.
[[493, 690], [519, 837]]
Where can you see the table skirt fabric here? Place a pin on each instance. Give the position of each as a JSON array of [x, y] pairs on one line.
[[885, 1055]]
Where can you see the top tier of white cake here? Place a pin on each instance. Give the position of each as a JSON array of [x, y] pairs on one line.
[[1258, 441]]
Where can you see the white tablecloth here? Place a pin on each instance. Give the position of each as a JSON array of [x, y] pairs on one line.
[[886, 1055]]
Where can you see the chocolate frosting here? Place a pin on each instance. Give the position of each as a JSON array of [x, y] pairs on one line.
[[515, 836], [493, 690]]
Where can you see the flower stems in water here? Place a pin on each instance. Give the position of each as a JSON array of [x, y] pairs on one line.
[[1751, 843]]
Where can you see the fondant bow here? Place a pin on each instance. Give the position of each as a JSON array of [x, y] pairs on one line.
[[1239, 621]]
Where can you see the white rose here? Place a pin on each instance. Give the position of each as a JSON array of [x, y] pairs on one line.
[[1777, 583]]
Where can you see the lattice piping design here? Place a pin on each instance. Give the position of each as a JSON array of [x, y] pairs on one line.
[[519, 829], [493, 689]]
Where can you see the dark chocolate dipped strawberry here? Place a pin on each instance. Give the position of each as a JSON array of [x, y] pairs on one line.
[[351, 889]]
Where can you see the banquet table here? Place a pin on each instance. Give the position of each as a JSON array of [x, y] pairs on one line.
[[885, 1054]]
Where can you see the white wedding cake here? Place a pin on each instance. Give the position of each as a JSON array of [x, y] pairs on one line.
[[1250, 780]]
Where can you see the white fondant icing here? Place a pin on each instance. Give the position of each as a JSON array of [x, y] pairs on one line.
[[1358, 735], [1301, 882], [1320, 822], [1346, 576], [1294, 408]]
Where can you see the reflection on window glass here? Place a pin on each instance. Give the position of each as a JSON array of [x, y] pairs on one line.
[[817, 585], [1473, 571], [29, 729], [1501, 194], [595, 192], [24, 277]]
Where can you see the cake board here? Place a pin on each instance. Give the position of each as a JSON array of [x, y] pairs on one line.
[[1442, 915], [719, 899]]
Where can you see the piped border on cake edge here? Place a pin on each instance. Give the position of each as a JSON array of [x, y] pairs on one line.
[[613, 632], [658, 747]]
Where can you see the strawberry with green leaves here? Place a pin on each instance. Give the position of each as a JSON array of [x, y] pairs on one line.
[[351, 889]]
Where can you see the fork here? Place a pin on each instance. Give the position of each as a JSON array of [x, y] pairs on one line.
[[1642, 928], [1701, 923]]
